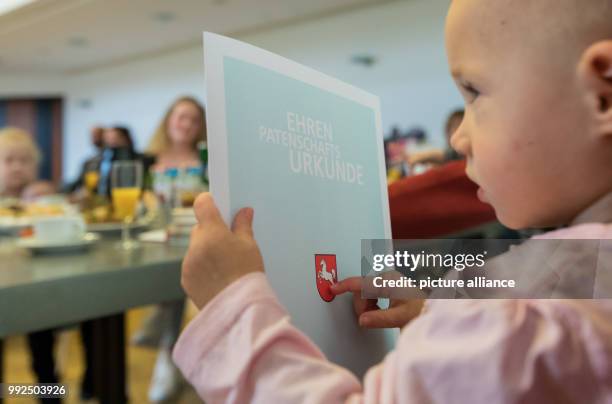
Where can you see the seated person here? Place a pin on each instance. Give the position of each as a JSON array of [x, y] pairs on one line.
[[92, 163], [437, 156], [19, 160]]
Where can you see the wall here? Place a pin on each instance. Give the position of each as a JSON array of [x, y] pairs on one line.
[[411, 77], [32, 85], [135, 94]]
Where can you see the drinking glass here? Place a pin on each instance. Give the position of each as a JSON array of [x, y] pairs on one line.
[[91, 178], [126, 188], [91, 181]]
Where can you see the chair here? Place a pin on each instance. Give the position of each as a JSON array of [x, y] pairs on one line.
[[438, 203]]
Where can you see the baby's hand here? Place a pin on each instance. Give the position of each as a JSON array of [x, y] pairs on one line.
[[370, 315], [218, 256]]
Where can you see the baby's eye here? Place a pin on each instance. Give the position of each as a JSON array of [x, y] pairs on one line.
[[470, 92]]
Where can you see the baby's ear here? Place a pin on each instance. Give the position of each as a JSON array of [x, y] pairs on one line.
[[595, 74]]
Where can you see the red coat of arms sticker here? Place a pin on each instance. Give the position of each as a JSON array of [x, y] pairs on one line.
[[326, 273]]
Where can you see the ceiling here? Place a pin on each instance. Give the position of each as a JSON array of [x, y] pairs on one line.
[[57, 36]]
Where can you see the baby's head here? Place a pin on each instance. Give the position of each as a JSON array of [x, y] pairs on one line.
[[537, 80], [19, 158]]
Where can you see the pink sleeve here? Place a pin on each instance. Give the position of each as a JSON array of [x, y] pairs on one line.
[[241, 348]]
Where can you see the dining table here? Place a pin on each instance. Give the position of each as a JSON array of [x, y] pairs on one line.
[[97, 284]]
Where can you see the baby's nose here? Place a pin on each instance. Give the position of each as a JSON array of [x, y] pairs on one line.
[[460, 142]]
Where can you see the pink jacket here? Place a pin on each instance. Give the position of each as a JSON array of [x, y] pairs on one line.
[[242, 348]]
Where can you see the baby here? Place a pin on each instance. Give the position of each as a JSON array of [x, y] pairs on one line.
[[537, 80], [537, 134]]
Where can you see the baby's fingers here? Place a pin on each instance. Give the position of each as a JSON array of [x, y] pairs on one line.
[[352, 284], [207, 213], [396, 316]]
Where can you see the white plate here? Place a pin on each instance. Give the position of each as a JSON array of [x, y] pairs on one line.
[[12, 225], [184, 217], [40, 246]]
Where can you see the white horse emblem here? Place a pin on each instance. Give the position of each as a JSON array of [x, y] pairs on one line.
[[325, 275]]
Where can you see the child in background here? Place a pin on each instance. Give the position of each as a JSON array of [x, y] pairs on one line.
[[537, 134], [174, 145], [19, 161]]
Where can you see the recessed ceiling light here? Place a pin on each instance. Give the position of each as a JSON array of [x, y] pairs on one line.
[[164, 16], [78, 42], [365, 60]]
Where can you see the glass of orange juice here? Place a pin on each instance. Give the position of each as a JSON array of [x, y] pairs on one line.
[[126, 188]]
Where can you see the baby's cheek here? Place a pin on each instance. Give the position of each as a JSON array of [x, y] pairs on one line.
[[499, 173], [492, 158]]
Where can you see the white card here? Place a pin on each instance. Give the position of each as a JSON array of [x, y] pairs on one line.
[[306, 152]]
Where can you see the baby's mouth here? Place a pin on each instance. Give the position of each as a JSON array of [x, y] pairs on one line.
[[480, 193]]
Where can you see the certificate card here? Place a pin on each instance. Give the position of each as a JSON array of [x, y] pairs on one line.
[[306, 152]]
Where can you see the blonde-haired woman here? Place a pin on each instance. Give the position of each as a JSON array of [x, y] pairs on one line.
[[175, 141], [174, 145], [19, 161]]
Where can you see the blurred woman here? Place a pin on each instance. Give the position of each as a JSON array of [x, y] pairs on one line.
[[176, 138], [174, 145]]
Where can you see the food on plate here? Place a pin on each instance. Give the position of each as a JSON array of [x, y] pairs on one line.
[[16, 210]]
